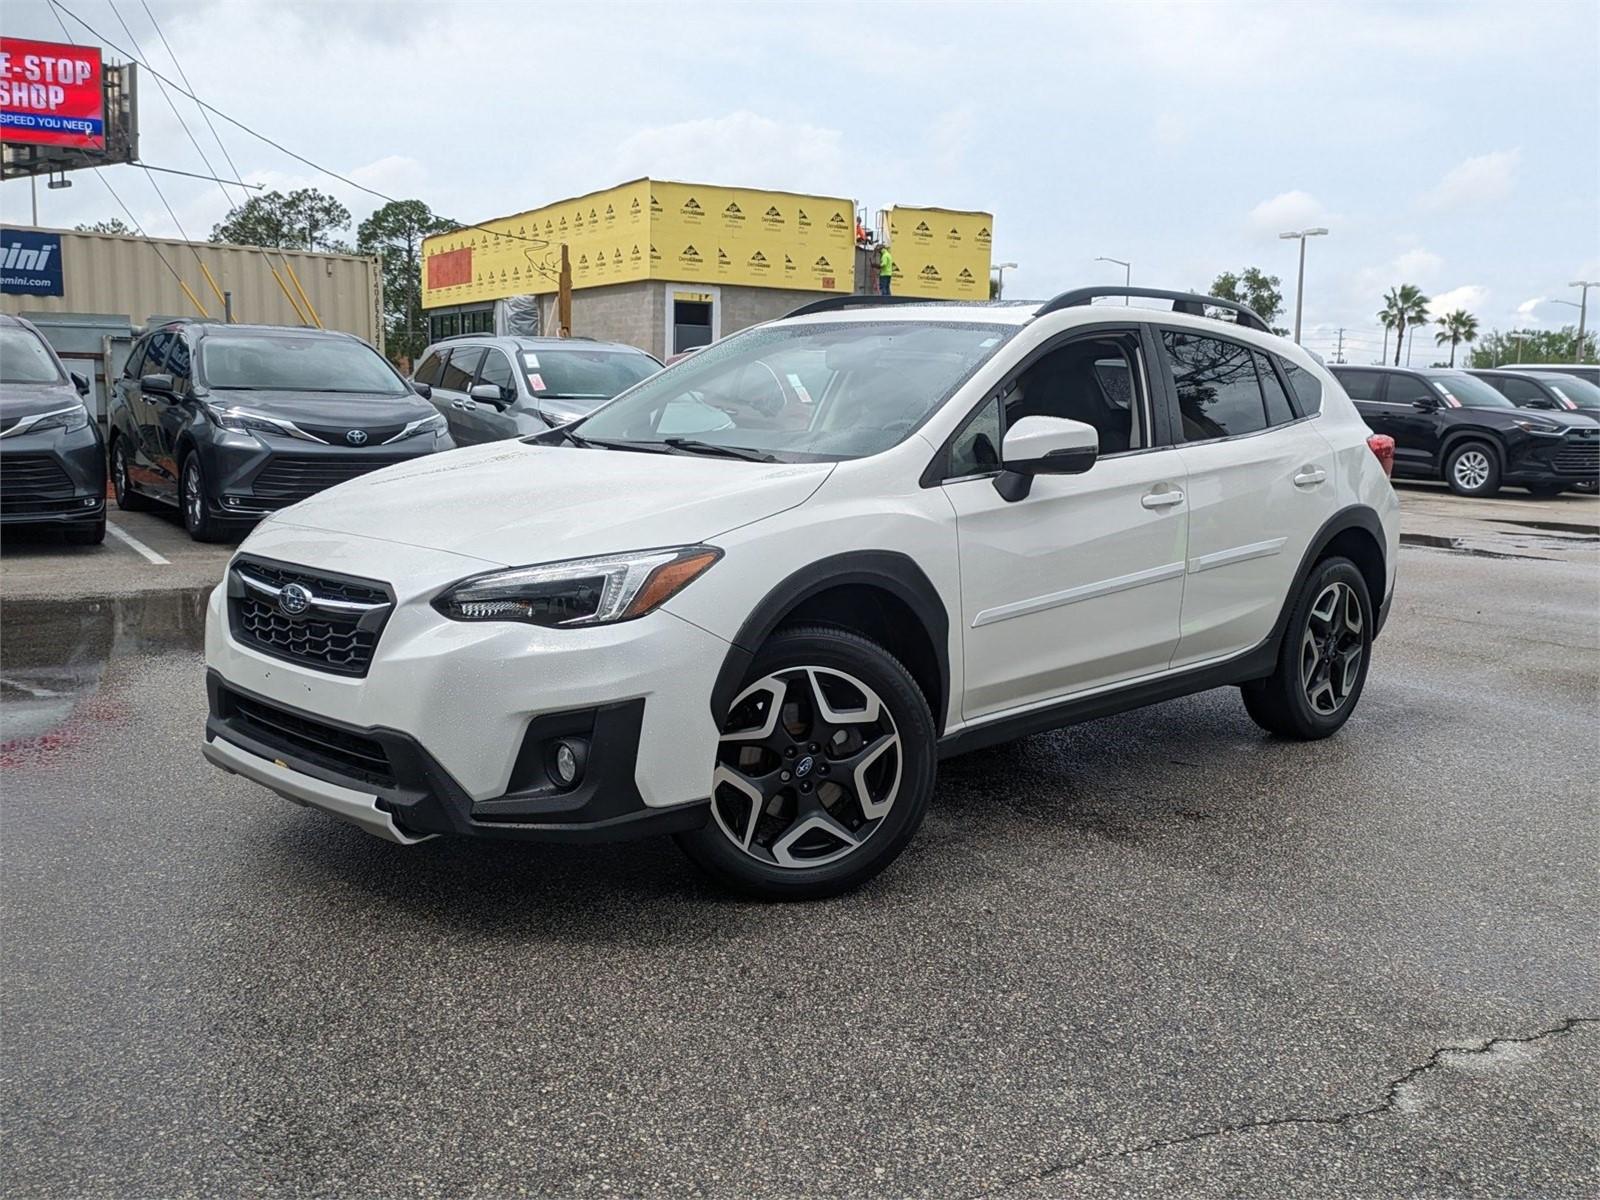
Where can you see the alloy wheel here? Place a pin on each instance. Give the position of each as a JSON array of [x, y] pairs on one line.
[[194, 502], [808, 767], [1471, 469], [1331, 648], [119, 472]]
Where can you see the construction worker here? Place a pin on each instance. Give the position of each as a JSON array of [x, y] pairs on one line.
[[885, 270]]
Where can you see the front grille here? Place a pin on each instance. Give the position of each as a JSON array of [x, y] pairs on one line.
[[32, 478], [323, 638], [1578, 453], [288, 478], [350, 754]]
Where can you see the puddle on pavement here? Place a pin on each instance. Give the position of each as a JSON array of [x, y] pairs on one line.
[[1586, 532], [55, 656], [1503, 546]]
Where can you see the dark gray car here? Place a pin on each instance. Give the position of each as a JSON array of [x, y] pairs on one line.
[[52, 454], [489, 388]]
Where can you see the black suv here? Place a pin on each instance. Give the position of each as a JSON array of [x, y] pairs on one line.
[[52, 457], [1450, 425], [231, 422], [1544, 389]]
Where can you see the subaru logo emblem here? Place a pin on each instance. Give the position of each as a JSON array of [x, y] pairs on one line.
[[294, 599], [356, 437], [803, 767]]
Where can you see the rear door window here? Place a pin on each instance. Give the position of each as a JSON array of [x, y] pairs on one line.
[[1364, 386], [463, 365], [1219, 394], [1279, 410], [1307, 387]]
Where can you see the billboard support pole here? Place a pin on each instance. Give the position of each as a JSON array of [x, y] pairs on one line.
[[564, 296], [33, 186]]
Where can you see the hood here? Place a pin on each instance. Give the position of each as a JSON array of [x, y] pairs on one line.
[[25, 399], [330, 415], [513, 503], [1567, 420]]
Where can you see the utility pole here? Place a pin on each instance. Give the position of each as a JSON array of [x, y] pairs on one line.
[[1411, 340], [1000, 284], [1583, 308], [1384, 357], [1300, 283], [1338, 354]]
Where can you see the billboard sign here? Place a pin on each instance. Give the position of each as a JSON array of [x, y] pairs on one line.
[[30, 263], [51, 94]]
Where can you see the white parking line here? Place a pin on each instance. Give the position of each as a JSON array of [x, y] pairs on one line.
[[136, 545]]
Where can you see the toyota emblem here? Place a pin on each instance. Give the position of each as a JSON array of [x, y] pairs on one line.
[[356, 437], [294, 600]]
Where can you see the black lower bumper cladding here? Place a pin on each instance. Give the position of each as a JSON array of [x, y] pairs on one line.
[[423, 798]]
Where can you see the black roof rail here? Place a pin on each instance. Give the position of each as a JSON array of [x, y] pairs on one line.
[[1190, 303], [852, 300]]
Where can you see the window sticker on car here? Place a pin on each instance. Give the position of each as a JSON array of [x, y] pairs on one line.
[[530, 360], [1565, 399], [1449, 396], [536, 381], [799, 388]]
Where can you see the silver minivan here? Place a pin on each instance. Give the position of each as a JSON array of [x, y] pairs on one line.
[[489, 388]]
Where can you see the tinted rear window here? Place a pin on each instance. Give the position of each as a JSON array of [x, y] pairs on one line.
[[1307, 387], [1360, 385]]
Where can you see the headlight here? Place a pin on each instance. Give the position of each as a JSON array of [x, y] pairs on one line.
[[434, 425], [68, 419], [580, 591], [242, 420], [1531, 426]]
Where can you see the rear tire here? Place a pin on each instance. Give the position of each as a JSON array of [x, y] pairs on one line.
[[824, 770], [202, 526], [128, 500], [1473, 469], [1322, 664]]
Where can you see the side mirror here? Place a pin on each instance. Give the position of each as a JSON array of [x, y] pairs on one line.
[[79, 382], [1044, 446], [1428, 404], [158, 385], [490, 393], [422, 389]]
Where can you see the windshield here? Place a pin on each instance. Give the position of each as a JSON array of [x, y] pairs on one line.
[[1469, 391], [584, 375], [803, 393], [1574, 390], [296, 364], [24, 358]]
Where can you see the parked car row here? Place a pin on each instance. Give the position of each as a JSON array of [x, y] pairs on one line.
[[231, 422]]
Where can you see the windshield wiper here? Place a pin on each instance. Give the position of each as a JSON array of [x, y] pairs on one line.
[[691, 446]]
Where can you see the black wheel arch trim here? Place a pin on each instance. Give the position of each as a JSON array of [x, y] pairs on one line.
[[889, 570]]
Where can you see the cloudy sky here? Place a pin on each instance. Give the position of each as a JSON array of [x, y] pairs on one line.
[[1451, 145]]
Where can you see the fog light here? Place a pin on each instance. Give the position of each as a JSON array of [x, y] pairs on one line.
[[567, 761]]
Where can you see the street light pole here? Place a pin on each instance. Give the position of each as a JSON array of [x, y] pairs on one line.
[[1583, 308], [1300, 282], [1000, 287], [1127, 273]]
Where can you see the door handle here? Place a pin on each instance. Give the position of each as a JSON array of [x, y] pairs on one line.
[[1162, 499], [1309, 476]]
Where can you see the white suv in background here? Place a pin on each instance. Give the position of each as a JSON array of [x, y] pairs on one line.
[[754, 600]]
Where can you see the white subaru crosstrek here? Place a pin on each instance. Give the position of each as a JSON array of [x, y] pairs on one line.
[[753, 600]]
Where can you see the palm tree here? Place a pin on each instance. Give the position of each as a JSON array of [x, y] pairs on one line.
[[1404, 305], [1459, 326]]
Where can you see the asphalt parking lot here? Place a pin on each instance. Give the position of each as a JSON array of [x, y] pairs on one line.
[[1155, 954]]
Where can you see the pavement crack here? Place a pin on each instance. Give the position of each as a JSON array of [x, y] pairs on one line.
[[1390, 1100]]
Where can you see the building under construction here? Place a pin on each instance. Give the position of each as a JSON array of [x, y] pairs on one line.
[[91, 293]]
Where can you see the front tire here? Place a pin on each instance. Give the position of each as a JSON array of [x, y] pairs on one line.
[[1322, 664], [128, 500], [824, 769], [202, 526], [1473, 469]]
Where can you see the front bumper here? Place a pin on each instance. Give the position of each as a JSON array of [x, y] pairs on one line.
[[53, 477], [250, 477], [457, 711], [1571, 459]]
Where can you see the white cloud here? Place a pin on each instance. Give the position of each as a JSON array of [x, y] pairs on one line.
[[1286, 211], [1469, 296], [734, 148], [1485, 179], [1418, 265], [1527, 307]]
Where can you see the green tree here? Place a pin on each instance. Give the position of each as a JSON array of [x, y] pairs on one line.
[[1533, 346], [1253, 288], [114, 225], [304, 219], [1404, 305], [395, 231], [1455, 328]]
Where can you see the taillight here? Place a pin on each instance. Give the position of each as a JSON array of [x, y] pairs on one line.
[[1382, 445]]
